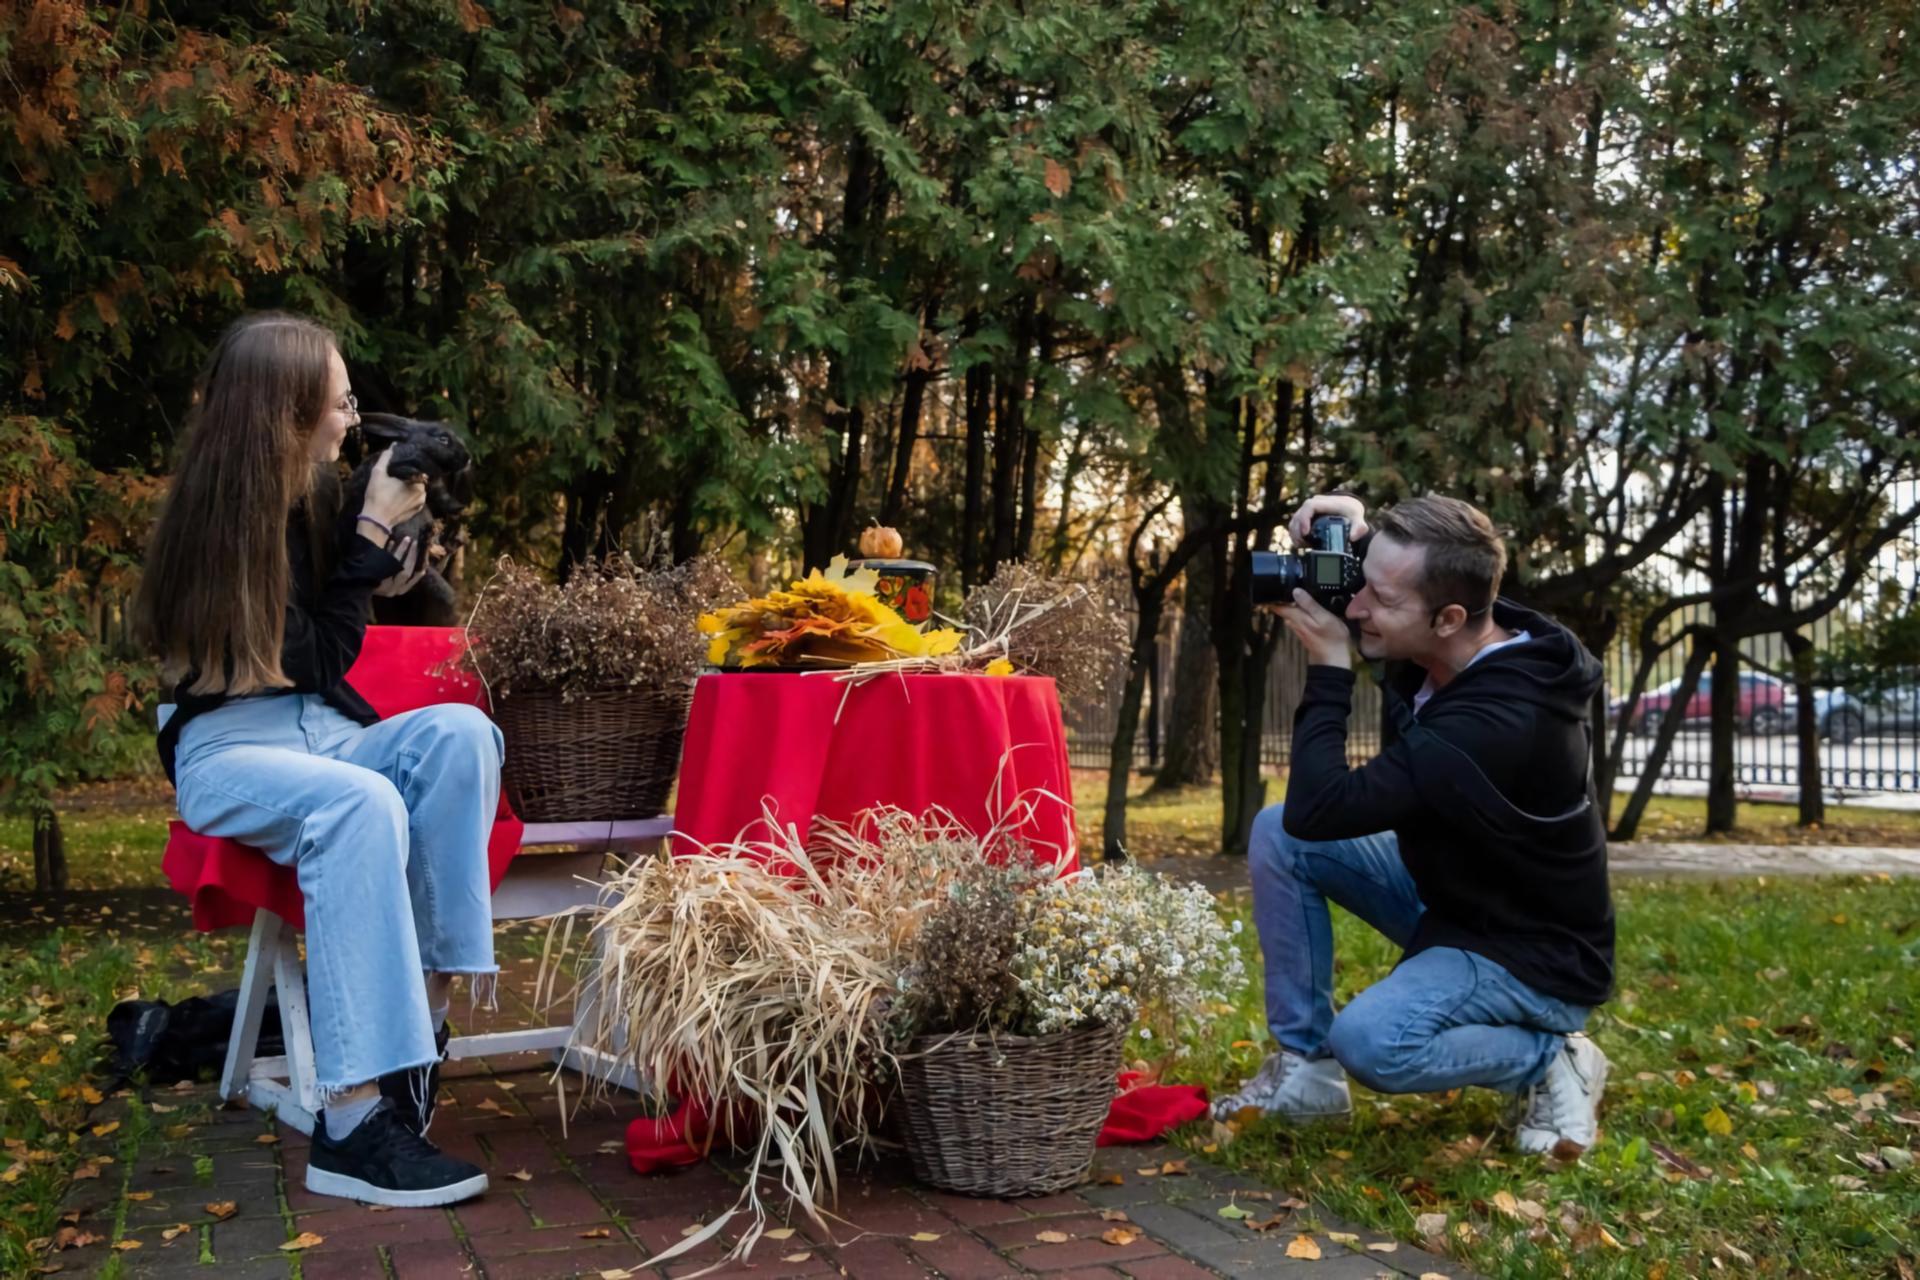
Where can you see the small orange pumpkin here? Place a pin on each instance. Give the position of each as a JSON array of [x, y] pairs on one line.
[[881, 543]]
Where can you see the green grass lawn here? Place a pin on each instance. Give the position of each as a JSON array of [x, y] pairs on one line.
[[114, 838], [1761, 1111], [1187, 820], [55, 992]]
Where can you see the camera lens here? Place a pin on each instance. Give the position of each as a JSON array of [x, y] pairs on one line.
[[1273, 576]]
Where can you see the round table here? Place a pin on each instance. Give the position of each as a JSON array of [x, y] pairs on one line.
[[798, 747]]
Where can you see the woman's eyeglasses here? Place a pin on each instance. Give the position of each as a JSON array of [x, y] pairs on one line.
[[350, 404]]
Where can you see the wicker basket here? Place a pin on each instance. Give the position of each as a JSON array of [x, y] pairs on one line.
[[1007, 1115], [599, 758]]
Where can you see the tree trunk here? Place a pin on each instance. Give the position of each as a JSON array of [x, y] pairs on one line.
[[1245, 792], [911, 406], [1724, 703], [49, 851], [1010, 441], [1120, 754], [1697, 655], [580, 533], [1813, 791], [1193, 734], [979, 386]]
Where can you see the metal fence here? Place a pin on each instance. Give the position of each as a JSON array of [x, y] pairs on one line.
[[1868, 714], [1870, 728], [1091, 724]]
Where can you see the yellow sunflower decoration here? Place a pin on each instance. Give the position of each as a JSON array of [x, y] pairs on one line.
[[830, 619]]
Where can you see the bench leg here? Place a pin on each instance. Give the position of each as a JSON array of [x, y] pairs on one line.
[[263, 949], [291, 981], [273, 963]]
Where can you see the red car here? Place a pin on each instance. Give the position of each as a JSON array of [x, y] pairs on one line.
[[1762, 706]]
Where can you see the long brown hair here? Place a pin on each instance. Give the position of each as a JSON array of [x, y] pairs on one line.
[[213, 597]]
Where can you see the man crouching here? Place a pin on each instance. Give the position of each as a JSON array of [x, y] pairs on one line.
[[1472, 841]]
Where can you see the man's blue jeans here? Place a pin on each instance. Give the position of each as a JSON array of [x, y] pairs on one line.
[[1443, 1019], [386, 827]]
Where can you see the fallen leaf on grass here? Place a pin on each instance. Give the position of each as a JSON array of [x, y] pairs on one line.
[[1120, 1235], [796, 1257], [597, 1233], [1383, 1246], [174, 1233], [305, 1240], [1234, 1211], [1111, 1180], [1174, 1168], [1149, 1172], [1430, 1225], [124, 1245], [1303, 1246], [102, 1130], [925, 1237], [1343, 1237], [222, 1210], [1717, 1122], [1677, 1162], [86, 1171], [1114, 1215], [139, 1195], [1052, 1237], [1268, 1224], [780, 1233]]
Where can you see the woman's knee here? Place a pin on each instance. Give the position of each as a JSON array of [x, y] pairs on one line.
[[463, 731], [366, 813]]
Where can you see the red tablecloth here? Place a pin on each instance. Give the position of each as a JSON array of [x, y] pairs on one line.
[[399, 669], [988, 749]]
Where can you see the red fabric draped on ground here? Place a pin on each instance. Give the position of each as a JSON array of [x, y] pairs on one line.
[[1141, 1112], [399, 669]]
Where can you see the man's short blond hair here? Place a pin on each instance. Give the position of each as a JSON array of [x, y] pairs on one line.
[[1465, 556]]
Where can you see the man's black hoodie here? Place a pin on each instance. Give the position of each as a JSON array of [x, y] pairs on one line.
[[1488, 793]]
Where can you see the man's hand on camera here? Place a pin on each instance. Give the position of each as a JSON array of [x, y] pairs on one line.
[[1324, 634], [1328, 504]]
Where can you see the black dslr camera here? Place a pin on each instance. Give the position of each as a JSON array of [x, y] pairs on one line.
[[1329, 570]]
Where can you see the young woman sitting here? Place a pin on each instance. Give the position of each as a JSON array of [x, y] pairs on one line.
[[256, 607]]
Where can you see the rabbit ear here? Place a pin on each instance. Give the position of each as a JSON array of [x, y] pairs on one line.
[[386, 428]]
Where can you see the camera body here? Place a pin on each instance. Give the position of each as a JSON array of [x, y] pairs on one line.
[[1328, 569]]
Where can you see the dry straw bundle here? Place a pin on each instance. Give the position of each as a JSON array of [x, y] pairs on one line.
[[761, 976]]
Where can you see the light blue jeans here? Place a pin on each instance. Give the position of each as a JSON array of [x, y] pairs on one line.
[[1443, 1019], [386, 827]]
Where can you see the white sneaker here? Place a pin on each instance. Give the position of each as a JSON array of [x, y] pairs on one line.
[[1562, 1112], [1291, 1086]]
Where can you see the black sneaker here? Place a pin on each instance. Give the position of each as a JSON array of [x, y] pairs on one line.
[[384, 1162], [416, 1109]]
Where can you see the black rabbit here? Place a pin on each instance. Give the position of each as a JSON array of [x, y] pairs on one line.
[[433, 450]]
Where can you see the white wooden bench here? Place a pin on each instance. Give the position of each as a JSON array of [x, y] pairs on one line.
[[538, 884]]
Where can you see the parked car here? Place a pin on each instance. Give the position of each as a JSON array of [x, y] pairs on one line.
[[1845, 716], [1762, 707]]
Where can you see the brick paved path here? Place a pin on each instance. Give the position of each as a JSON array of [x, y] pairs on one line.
[[564, 1203]]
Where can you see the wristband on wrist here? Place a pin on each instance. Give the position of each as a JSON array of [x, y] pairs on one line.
[[377, 524]]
